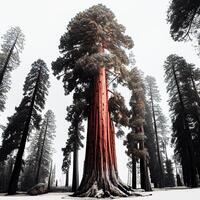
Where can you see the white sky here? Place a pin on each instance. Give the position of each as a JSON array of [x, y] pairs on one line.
[[44, 21]]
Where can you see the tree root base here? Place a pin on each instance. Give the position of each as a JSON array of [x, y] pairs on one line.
[[111, 191]]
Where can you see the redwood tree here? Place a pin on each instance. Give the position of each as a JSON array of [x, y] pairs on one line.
[[93, 44]]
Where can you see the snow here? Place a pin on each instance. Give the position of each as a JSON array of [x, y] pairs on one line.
[[165, 194]]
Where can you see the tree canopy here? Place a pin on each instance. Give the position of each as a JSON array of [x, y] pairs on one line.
[[13, 43], [184, 18]]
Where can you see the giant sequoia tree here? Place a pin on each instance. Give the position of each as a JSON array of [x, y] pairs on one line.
[[13, 42], [93, 44], [184, 114], [27, 116]]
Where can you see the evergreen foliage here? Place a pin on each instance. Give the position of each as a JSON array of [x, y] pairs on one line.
[[87, 33], [136, 138], [35, 91], [184, 114], [16, 123], [119, 112], [37, 164], [151, 146], [93, 41], [184, 18], [13, 42], [153, 99], [75, 116]]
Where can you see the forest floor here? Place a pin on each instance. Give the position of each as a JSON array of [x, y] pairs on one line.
[[158, 194]]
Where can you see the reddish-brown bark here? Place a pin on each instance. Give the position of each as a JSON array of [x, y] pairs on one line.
[[100, 176]]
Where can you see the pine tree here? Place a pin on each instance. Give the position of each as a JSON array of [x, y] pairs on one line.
[[45, 149], [153, 99], [40, 153], [75, 116], [66, 163], [184, 18], [13, 42], [90, 36], [11, 136], [182, 104], [151, 146], [35, 91], [136, 123]]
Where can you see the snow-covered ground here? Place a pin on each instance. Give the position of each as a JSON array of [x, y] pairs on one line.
[[167, 194]]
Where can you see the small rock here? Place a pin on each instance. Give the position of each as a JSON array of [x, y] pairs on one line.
[[40, 188]]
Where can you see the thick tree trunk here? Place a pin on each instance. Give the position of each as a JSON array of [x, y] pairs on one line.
[[134, 176], [75, 178], [100, 176], [18, 161]]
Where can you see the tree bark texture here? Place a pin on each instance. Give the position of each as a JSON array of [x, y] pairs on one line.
[[100, 175]]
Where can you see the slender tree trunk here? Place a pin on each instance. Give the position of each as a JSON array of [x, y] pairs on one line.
[[75, 178], [2, 73], [37, 157], [134, 175], [197, 99], [50, 174], [188, 139], [161, 185], [18, 162], [67, 178], [41, 155], [100, 176]]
